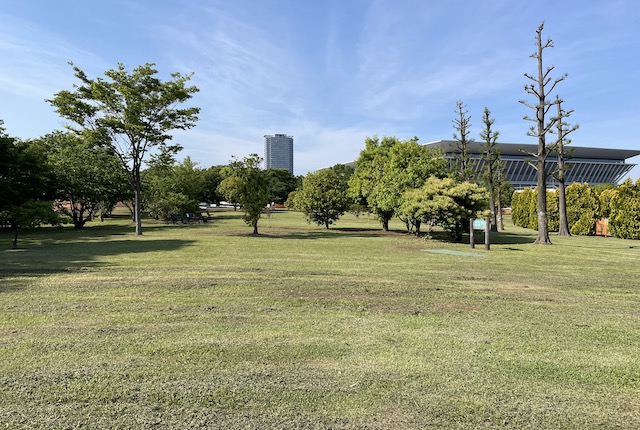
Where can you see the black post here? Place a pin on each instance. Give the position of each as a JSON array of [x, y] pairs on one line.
[[471, 241]]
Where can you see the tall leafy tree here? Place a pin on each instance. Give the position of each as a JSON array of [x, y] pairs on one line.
[[27, 186], [212, 177], [462, 136], [89, 178], [250, 186], [541, 87], [491, 157], [324, 195], [131, 113], [560, 173], [170, 188], [230, 189], [365, 183], [388, 167], [281, 183]]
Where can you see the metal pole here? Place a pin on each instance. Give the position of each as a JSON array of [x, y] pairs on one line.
[[487, 229]]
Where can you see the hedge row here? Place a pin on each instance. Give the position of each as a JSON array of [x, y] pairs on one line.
[[585, 206]]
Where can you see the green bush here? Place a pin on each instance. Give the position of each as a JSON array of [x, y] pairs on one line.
[[515, 208], [553, 213], [583, 209], [606, 197], [624, 218], [532, 211], [520, 203]]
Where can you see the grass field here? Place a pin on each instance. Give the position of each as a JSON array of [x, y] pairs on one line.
[[206, 326]]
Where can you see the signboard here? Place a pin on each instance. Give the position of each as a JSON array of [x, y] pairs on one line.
[[478, 224]]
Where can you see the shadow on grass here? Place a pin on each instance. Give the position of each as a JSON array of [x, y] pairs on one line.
[[54, 255]]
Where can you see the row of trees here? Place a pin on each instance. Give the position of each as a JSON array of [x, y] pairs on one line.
[[394, 178], [586, 205], [80, 180], [118, 148]]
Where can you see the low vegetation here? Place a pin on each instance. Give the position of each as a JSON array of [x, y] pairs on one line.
[[207, 326]]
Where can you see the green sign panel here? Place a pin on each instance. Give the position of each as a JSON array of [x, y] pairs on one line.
[[478, 224]]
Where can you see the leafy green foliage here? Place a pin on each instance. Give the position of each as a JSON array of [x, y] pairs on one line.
[[280, 183], [130, 113], [624, 218], [520, 204], [290, 203], [212, 177], [230, 188], [606, 197], [27, 186], [89, 178], [446, 203], [553, 210], [324, 195], [386, 168], [249, 188], [582, 209]]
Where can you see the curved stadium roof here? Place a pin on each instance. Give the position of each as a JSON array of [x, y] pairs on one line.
[[592, 165]]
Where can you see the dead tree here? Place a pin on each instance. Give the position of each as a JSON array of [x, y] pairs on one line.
[[490, 157], [462, 124], [560, 173], [542, 86]]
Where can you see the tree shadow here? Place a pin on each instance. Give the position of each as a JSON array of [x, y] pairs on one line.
[[321, 233], [78, 254]]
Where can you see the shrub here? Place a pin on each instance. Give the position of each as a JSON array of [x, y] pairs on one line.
[[606, 197], [553, 212], [624, 218], [532, 212], [583, 209]]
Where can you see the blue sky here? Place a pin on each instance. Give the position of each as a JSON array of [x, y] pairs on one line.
[[331, 72]]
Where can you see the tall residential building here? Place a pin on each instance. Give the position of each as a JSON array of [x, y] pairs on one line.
[[278, 152]]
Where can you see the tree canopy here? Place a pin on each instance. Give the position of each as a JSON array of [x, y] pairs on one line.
[[89, 178], [130, 113], [324, 195], [446, 203], [388, 167], [27, 186], [248, 185]]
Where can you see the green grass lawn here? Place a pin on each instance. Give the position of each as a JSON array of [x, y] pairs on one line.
[[206, 326]]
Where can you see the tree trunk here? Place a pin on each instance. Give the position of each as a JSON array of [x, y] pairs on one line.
[[385, 224], [137, 199], [563, 230], [14, 245], [543, 224], [255, 229], [326, 224], [500, 220], [492, 204]]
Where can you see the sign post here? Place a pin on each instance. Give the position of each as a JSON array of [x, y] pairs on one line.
[[480, 224]]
